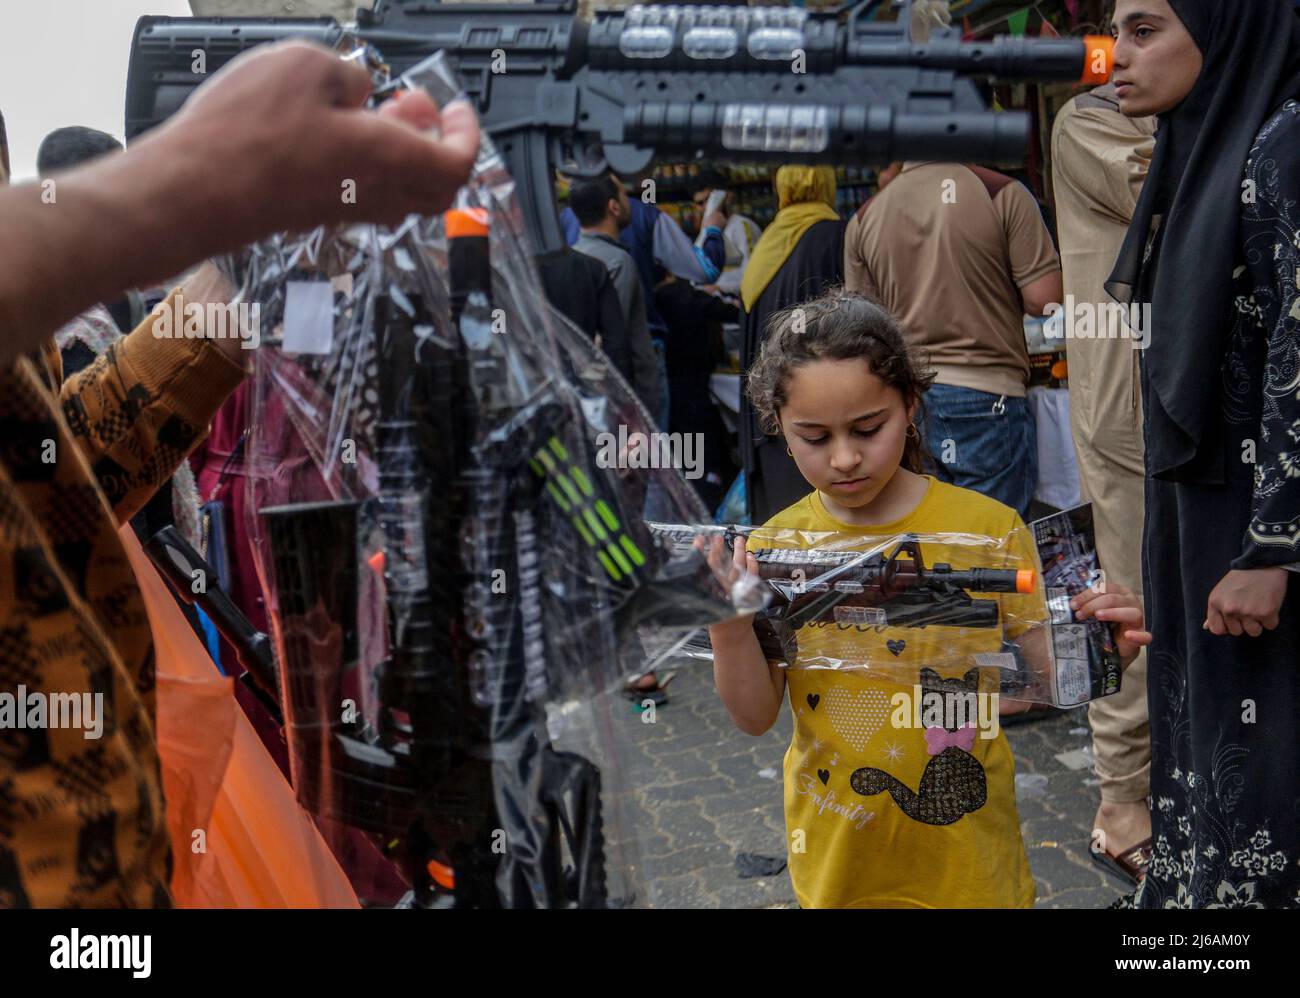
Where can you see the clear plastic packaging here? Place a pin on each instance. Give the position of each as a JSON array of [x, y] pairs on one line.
[[894, 604], [454, 578]]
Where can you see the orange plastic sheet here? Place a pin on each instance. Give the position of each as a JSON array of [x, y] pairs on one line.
[[259, 847]]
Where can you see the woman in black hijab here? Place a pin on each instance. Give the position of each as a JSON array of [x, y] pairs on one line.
[[1215, 249]]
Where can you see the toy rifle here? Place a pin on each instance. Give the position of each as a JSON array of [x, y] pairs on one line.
[[868, 589], [668, 83]]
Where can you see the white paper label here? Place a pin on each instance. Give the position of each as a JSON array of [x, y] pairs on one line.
[[309, 317]]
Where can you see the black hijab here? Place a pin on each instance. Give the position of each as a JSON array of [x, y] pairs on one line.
[[1251, 54]]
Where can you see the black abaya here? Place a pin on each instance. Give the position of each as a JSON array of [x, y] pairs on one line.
[[817, 263]]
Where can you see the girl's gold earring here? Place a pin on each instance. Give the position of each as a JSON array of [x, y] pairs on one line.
[[912, 432], [788, 450]]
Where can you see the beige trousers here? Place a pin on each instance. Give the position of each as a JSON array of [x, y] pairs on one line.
[[1106, 422]]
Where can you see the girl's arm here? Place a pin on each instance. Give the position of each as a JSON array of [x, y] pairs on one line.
[[751, 689]]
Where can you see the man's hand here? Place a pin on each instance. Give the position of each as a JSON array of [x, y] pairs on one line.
[[1246, 602], [1120, 607], [289, 144], [716, 220], [278, 139]]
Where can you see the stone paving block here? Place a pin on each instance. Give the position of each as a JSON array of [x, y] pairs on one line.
[[688, 790], [700, 860], [682, 891]]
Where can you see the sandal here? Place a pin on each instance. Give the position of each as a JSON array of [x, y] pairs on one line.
[[1130, 865], [657, 692]]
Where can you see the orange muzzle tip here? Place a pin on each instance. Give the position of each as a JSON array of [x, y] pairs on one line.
[[443, 876], [467, 222], [1025, 581], [1098, 58]]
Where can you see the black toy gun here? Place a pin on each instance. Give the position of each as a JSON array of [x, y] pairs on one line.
[[195, 581], [734, 84], [867, 589], [879, 590]]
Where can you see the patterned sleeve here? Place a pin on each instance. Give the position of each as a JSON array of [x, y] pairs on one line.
[[1271, 235], [142, 407]]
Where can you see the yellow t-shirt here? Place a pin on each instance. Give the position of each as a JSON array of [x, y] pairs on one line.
[[873, 819]]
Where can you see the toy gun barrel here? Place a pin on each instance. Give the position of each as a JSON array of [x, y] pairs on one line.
[[690, 38], [801, 567], [830, 133]]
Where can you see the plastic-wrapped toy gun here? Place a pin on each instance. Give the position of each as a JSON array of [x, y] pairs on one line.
[[879, 590], [735, 84], [869, 589]]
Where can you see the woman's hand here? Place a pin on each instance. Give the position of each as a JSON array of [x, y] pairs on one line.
[[1120, 607], [1246, 601]]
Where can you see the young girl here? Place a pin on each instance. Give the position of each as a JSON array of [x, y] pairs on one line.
[[881, 812]]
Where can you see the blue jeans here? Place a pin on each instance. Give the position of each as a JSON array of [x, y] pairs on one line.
[[984, 442], [661, 363]]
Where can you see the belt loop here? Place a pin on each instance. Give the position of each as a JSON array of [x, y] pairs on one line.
[[1000, 406]]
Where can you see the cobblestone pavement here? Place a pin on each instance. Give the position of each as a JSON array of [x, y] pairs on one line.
[[704, 791]]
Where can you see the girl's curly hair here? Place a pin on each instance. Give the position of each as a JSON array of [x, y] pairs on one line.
[[838, 325]]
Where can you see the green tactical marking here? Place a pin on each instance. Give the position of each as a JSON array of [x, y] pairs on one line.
[[592, 522], [558, 447], [632, 550], [606, 514], [577, 522], [538, 470], [569, 490], [555, 494], [623, 563], [609, 565], [547, 460], [583, 481]]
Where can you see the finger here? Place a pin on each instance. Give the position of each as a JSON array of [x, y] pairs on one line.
[[1271, 621], [345, 84], [1252, 626], [413, 107], [1138, 637], [751, 563], [1214, 622], [1234, 626], [1120, 615], [1095, 604]]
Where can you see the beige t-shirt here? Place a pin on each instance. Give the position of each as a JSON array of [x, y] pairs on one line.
[[947, 248]]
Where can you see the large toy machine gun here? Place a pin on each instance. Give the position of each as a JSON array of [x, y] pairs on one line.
[[733, 84], [461, 740]]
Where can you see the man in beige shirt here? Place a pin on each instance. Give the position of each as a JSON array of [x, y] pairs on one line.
[[1100, 160], [959, 254]]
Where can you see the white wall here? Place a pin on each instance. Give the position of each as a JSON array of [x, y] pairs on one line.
[[63, 62]]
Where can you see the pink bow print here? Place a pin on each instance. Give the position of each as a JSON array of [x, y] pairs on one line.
[[938, 739]]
